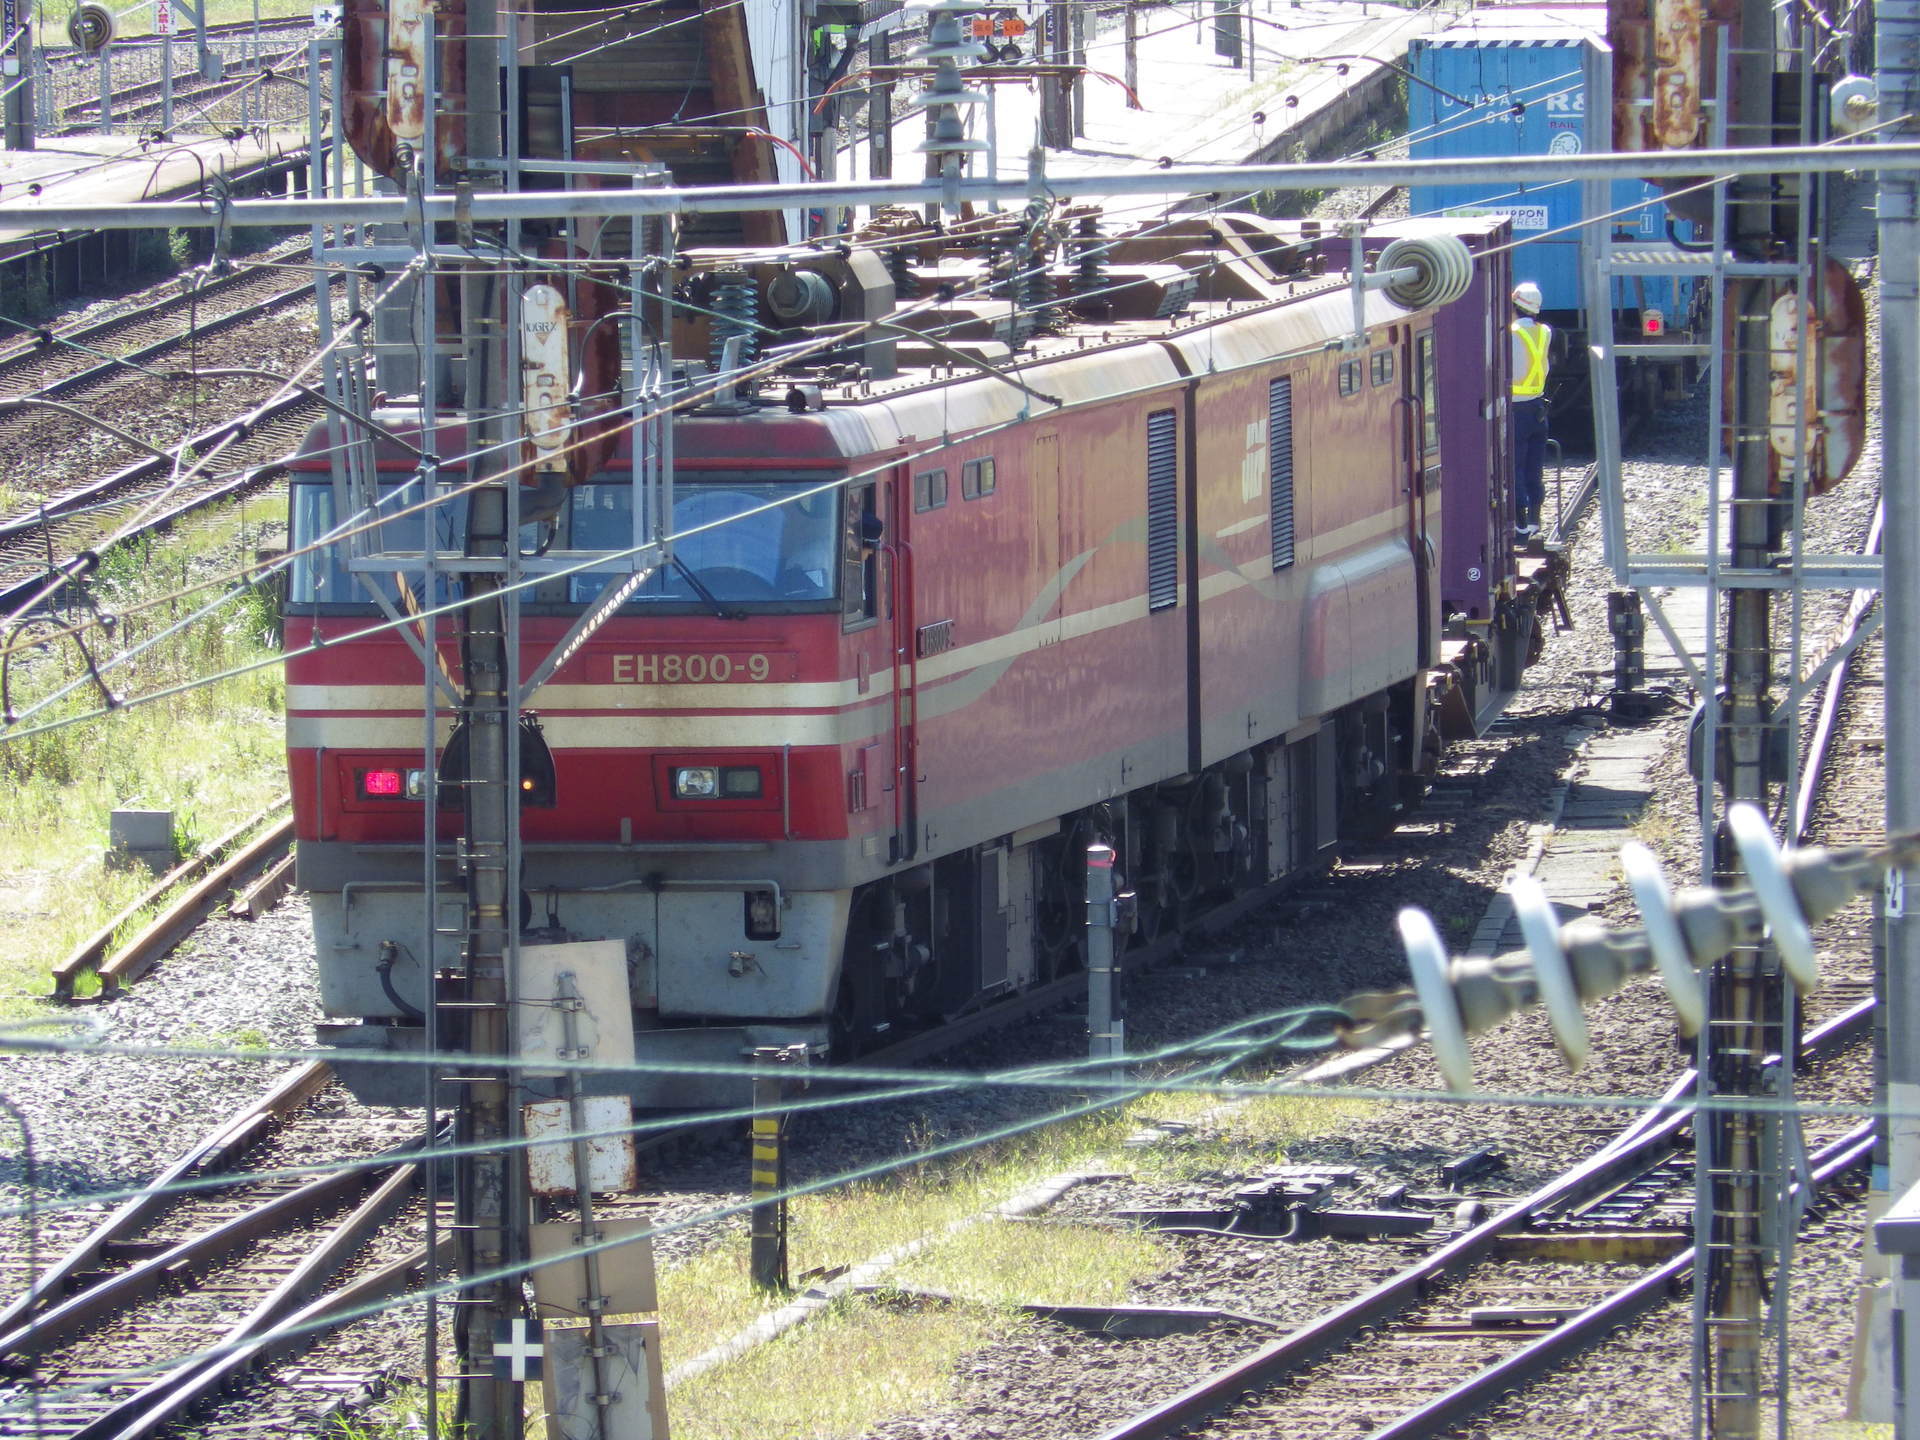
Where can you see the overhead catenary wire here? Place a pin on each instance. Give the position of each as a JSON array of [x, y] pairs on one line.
[[591, 566], [4, 735], [585, 567], [693, 392]]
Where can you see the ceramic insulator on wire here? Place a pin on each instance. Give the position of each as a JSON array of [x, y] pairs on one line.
[[946, 92], [1582, 959], [1090, 261]]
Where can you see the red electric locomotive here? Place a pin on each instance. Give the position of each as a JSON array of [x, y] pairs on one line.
[[946, 607]]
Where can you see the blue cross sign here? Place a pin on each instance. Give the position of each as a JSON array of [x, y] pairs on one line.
[[517, 1350]]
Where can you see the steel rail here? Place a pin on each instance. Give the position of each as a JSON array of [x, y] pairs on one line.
[[192, 1255], [1585, 489], [1650, 1141], [202, 494], [1069, 988], [93, 330], [210, 873], [154, 1407], [1813, 770], [1596, 1323], [90, 495], [128, 363], [169, 928], [217, 1151], [129, 44], [144, 95]]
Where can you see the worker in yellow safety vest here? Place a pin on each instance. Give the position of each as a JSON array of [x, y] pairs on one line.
[[1531, 339]]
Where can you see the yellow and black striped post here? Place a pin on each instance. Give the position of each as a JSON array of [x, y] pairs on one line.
[[774, 1067]]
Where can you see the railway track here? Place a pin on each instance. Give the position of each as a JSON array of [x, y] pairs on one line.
[[246, 870], [29, 560], [1504, 1298], [146, 102], [82, 368], [58, 362], [107, 1342], [135, 63]]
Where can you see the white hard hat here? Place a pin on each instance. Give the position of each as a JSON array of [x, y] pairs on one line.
[[1527, 298]]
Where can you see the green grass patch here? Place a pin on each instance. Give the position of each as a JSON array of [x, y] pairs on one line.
[[867, 1360], [1014, 1262], [1229, 1138], [213, 755], [892, 1360]]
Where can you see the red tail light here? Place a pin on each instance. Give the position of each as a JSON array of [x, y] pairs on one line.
[[382, 782], [1652, 322]]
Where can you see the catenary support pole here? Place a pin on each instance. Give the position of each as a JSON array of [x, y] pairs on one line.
[[1745, 993], [16, 74], [1056, 102], [492, 1188], [1897, 1166]]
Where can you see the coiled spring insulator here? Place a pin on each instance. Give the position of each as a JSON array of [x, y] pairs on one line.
[[736, 307]]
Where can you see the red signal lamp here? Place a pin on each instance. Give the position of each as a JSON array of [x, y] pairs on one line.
[[1652, 322], [383, 782]]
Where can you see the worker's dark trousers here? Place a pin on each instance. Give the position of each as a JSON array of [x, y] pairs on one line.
[[1529, 459]]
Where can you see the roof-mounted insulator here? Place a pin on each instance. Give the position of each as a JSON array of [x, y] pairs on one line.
[[946, 47]]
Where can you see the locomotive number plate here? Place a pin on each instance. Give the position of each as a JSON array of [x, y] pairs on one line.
[[717, 668]]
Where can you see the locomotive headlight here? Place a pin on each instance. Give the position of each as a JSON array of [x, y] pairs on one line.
[[696, 782]]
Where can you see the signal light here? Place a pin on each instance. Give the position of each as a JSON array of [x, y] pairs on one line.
[[537, 784], [1652, 322]]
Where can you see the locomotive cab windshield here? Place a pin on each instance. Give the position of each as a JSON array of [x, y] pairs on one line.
[[741, 541]]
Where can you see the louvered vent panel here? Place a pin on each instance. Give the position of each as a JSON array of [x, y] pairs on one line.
[[1163, 510], [1280, 469]]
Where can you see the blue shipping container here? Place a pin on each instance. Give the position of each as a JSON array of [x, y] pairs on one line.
[[1484, 74]]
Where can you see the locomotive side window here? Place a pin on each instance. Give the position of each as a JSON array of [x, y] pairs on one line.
[[1349, 377], [860, 558], [1383, 367], [1280, 469], [976, 479], [1429, 391], [1163, 510], [929, 490]]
